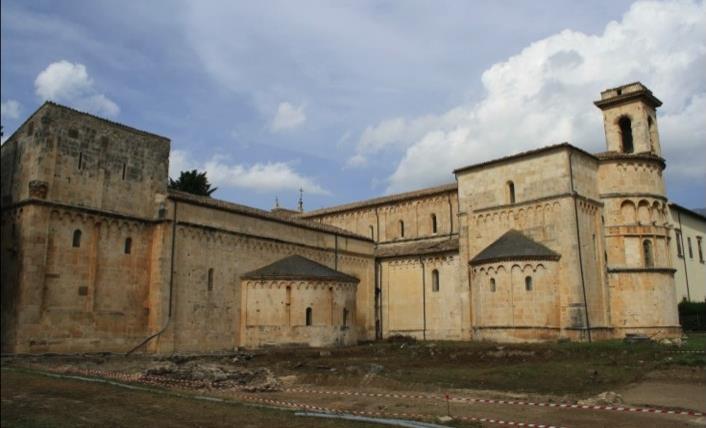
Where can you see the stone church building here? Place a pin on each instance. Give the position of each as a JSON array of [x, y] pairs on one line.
[[99, 255]]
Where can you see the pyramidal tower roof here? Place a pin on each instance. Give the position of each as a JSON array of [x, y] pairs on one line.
[[514, 245], [298, 268]]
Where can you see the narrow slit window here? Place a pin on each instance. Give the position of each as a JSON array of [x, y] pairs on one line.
[[77, 238], [680, 244], [653, 134], [510, 192], [210, 279], [80, 161], [700, 249], [688, 244], [433, 223], [528, 283], [492, 285], [128, 245], [647, 252], [124, 170], [435, 280], [372, 232], [309, 319], [401, 229]]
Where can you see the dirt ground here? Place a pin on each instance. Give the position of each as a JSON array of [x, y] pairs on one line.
[[30, 400], [485, 383]]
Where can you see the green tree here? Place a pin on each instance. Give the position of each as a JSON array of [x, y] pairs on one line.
[[192, 182]]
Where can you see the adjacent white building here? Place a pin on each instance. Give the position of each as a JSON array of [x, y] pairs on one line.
[[688, 253]]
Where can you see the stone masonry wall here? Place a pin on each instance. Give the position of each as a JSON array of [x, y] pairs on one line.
[[507, 309], [232, 244], [544, 210], [411, 306], [274, 313], [383, 221]]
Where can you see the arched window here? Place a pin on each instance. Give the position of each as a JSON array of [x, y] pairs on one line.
[[626, 134], [492, 285], [433, 223], [344, 321], [372, 232], [210, 279], [647, 252], [128, 245], [528, 283], [510, 192], [401, 229], [77, 238], [435, 280], [308, 316]]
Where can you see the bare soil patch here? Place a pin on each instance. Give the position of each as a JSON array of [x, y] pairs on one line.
[[38, 401], [563, 370]]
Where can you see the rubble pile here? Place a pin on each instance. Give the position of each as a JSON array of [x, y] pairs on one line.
[[218, 375]]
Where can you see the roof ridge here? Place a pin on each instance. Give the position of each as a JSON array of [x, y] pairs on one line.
[[247, 210], [525, 153], [118, 124], [381, 200]]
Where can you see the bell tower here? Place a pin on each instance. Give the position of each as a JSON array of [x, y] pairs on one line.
[[636, 220], [630, 119]]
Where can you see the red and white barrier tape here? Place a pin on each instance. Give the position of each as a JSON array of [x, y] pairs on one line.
[[160, 380], [509, 402], [390, 414], [295, 405]]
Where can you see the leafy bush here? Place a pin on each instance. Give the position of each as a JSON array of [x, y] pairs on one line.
[[692, 315]]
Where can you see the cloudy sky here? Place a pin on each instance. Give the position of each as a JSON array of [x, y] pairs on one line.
[[351, 100]]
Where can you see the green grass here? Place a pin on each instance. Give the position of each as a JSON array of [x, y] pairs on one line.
[[696, 342], [553, 368]]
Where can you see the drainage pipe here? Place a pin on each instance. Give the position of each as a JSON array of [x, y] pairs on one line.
[[171, 286], [424, 299], [574, 195]]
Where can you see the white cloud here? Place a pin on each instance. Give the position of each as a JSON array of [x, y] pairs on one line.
[[356, 161], [258, 177], [70, 83], [543, 96], [288, 117], [179, 160], [10, 109]]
